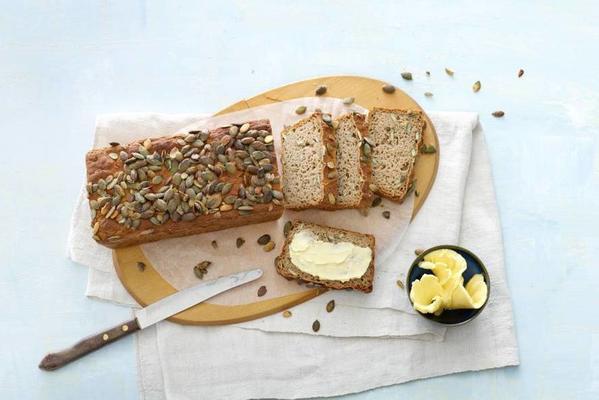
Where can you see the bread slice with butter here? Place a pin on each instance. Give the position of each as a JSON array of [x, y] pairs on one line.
[[396, 136], [330, 257]]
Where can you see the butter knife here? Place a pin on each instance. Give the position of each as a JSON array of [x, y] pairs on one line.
[[148, 316]]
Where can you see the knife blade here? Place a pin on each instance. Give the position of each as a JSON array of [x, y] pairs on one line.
[[150, 315]]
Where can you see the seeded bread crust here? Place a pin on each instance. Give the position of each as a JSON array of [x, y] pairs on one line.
[[416, 119], [288, 270], [361, 124], [110, 233], [329, 185]]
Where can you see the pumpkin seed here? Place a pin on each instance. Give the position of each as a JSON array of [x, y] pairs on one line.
[[498, 114], [114, 156], [428, 73], [269, 246], [262, 240], [286, 314], [327, 118], [244, 128], [331, 306], [331, 165], [476, 86], [300, 110], [201, 269], [449, 71], [428, 94], [141, 266], [332, 198], [418, 251], [386, 214], [316, 326], [239, 242], [261, 291], [320, 90], [520, 73], [287, 228], [214, 244], [400, 284], [376, 201], [348, 101], [407, 76], [388, 88]]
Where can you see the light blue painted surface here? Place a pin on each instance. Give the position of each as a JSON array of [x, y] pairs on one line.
[[62, 63]]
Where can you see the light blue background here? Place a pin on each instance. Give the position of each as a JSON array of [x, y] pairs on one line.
[[62, 63]]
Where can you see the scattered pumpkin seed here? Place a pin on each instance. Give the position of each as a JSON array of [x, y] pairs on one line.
[[300, 110], [376, 201], [520, 73], [286, 314], [269, 246], [498, 114], [449, 71], [348, 101], [261, 291], [214, 244], [262, 240], [201, 269], [418, 251], [141, 266], [316, 326], [239, 242], [331, 306], [407, 76], [320, 90], [386, 214], [428, 94], [388, 88], [428, 73], [476, 86], [400, 284]]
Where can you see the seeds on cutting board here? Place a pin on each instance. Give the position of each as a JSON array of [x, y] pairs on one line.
[[316, 326], [201, 269], [262, 240], [320, 90], [428, 73], [407, 76], [388, 88], [376, 201], [261, 291], [418, 251], [300, 110], [348, 101], [498, 114], [331, 306], [520, 73], [239, 242], [269, 246], [428, 94], [287, 228], [214, 244], [476, 86], [141, 267], [386, 214], [400, 284], [286, 314], [449, 71]]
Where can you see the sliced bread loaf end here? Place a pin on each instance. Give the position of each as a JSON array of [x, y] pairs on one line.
[[353, 164], [396, 136], [289, 270], [308, 154]]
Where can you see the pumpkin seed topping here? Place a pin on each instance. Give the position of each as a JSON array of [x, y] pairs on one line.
[[331, 306], [300, 110], [264, 239], [316, 326], [320, 90], [388, 88], [261, 291]]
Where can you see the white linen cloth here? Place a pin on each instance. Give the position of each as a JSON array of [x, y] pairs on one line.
[[259, 360]]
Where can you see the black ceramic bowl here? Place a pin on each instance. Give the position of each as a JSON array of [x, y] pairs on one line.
[[474, 266]]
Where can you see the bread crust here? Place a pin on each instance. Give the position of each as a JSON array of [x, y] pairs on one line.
[[420, 123], [329, 184], [285, 267], [112, 234]]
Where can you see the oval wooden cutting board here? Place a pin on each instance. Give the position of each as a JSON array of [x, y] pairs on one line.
[[147, 286]]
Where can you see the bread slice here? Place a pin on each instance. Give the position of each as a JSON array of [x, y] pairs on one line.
[[286, 268], [307, 157], [353, 162], [396, 136]]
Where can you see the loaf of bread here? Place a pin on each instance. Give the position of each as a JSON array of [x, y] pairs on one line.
[[308, 159], [353, 161], [183, 185], [396, 136], [286, 267]]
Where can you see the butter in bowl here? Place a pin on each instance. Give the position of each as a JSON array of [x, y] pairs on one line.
[[448, 284]]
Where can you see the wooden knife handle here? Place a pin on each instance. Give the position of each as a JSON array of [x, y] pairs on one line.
[[56, 360]]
